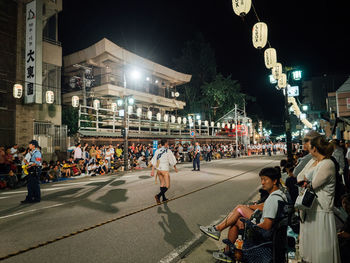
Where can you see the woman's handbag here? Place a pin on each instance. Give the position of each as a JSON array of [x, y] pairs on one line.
[[305, 198]]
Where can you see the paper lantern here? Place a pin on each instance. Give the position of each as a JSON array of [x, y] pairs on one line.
[[212, 124], [282, 81], [222, 125], [218, 125], [159, 116], [96, 104], [199, 122], [277, 71], [149, 115], [139, 112], [114, 107], [233, 126], [259, 36], [166, 117], [228, 125], [190, 121], [173, 119], [179, 120], [75, 101], [184, 120], [241, 7], [129, 109], [49, 97], [270, 56], [121, 113], [17, 91], [206, 123]]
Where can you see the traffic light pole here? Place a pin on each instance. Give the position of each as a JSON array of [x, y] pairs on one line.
[[287, 126]]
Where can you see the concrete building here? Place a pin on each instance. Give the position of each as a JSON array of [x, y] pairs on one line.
[[33, 59]]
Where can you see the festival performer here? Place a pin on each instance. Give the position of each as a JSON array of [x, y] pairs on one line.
[[161, 160]]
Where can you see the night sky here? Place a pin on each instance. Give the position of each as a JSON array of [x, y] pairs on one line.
[[308, 34]]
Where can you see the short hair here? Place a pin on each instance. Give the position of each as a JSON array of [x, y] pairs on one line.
[[272, 173], [163, 141]]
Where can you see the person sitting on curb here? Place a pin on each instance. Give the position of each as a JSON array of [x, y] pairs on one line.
[[270, 181]]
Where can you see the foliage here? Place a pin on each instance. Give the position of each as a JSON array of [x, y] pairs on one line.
[[70, 117]]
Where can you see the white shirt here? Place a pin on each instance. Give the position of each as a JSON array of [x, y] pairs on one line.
[[78, 153], [167, 158]]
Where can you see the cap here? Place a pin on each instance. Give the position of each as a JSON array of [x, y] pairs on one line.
[[34, 142]]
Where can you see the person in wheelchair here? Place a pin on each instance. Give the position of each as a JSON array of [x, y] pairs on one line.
[[255, 233]]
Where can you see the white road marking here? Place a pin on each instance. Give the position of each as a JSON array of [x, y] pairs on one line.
[[235, 164]]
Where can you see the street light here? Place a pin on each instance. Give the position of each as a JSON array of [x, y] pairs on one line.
[[305, 107]]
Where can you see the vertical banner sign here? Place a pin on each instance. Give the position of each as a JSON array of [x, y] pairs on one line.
[[155, 146], [30, 52]]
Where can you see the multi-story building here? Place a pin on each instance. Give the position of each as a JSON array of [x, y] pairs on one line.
[[31, 57]]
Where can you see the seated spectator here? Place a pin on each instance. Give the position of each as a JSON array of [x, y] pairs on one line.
[[270, 181], [65, 167], [44, 176], [344, 234], [75, 169]]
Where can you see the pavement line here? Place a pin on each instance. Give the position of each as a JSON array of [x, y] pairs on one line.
[[122, 216], [32, 210]]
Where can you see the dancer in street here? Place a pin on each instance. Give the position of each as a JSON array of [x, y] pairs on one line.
[[163, 158]]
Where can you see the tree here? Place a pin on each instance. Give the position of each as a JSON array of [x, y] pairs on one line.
[[70, 117], [221, 95]]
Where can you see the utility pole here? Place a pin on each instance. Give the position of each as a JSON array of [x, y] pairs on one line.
[[125, 126], [288, 126], [236, 130]]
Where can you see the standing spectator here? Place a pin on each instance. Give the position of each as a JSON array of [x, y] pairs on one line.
[[196, 157], [93, 153], [344, 234], [14, 150], [78, 154]]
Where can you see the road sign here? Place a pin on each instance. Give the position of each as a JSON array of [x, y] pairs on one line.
[[155, 146], [192, 133]]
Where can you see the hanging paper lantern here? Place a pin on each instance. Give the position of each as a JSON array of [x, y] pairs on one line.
[[241, 7], [114, 107], [277, 71], [173, 119], [282, 81], [166, 117], [184, 120], [159, 116], [179, 120], [259, 35], [206, 123], [199, 122], [190, 121], [49, 97], [218, 125], [149, 115], [228, 125], [270, 56], [75, 101], [96, 104], [233, 126], [212, 124], [222, 125], [139, 112], [129, 109], [121, 113], [17, 91]]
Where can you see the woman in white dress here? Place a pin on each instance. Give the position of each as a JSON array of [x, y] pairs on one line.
[[319, 237]]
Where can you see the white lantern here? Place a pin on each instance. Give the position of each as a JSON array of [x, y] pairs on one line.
[[212, 124], [149, 115], [139, 112], [199, 122], [114, 107], [17, 91], [159, 116], [241, 7], [173, 119], [184, 120], [233, 126], [206, 123], [177, 94], [129, 109], [277, 71], [270, 56], [49, 97], [75, 101], [218, 125], [222, 125], [96, 104], [166, 117], [190, 121], [228, 125], [179, 120], [259, 35], [121, 113], [282, 81]]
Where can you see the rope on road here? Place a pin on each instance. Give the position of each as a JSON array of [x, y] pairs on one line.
[[123, 216]]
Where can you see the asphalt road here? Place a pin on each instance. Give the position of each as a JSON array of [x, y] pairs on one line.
[[115, 219]]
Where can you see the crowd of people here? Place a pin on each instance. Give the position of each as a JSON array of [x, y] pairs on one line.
[[321, 228]]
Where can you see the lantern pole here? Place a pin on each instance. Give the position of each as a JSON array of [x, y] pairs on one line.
[[287, 123]]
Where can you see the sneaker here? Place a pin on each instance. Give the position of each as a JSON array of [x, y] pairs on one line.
[[221, 256], [157, 199], [210, 231]]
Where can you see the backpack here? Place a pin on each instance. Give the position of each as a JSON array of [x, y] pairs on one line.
[[339, 186]]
